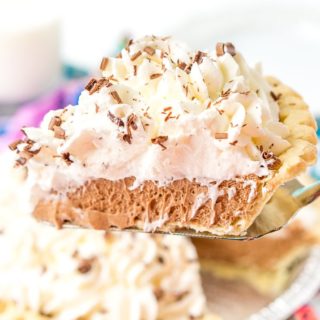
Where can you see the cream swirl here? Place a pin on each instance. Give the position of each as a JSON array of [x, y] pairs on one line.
[[162, 112], [71, 274]]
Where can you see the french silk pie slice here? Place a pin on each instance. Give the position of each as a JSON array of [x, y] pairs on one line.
[[168, 138]]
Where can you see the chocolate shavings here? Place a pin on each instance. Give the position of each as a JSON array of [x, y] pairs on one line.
[[90, 84], [59, 133], [199, 57], [155, 76], [221, 135], [66, 157], [116, 96], [274, 96], [85, 265], [136, 55], [14, 145], [149, 50], [131, 124], [104, 63], [54, 122], [160, 140], [222, 48], [115, 119]]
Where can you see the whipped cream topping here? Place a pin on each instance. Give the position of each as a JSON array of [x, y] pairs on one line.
[[73, 274], [161, 112]]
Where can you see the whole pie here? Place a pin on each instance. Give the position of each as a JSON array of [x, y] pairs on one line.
[[167, 139]]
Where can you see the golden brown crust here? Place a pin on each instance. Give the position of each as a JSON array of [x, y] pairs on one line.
[[101, 203], [264, 253]]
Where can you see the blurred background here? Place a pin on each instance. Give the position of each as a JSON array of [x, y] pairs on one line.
[[36, 36]]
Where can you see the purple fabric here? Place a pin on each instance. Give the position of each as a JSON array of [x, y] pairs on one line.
[[32, 113]]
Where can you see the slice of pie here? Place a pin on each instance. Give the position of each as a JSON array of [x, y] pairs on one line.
[[168, 138]]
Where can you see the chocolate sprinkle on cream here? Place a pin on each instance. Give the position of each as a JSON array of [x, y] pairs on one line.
[[136, 55], [21, 161], [199, 57], [59, 133], [182, 65], [155, 76], [54, 122], [233, 143], [116, 96], [100, 83], [149, 50], [127, 138], [160, 140], [90, 84], [66, 157], [222, 48], [274, 96], [230, 48], [30, 148], [26, 154], [14, 145], [115, 119], [275, 164], [85, 265], [221, 135], [104, 63], [131, 122], [168, 117]]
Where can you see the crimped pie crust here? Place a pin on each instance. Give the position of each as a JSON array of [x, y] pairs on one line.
[[102, 204]]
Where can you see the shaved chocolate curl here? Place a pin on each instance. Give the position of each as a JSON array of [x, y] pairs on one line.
[[59, 133], [116, 96], [14, 145], [136, 55], [221, 135], [115, 119], [54, 122], [149, 50], [90, 84], [155, 76], [104, 63], [160, 140], [222, 48]]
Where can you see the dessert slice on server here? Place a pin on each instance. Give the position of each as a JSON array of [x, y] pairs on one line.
[[167, 139]]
